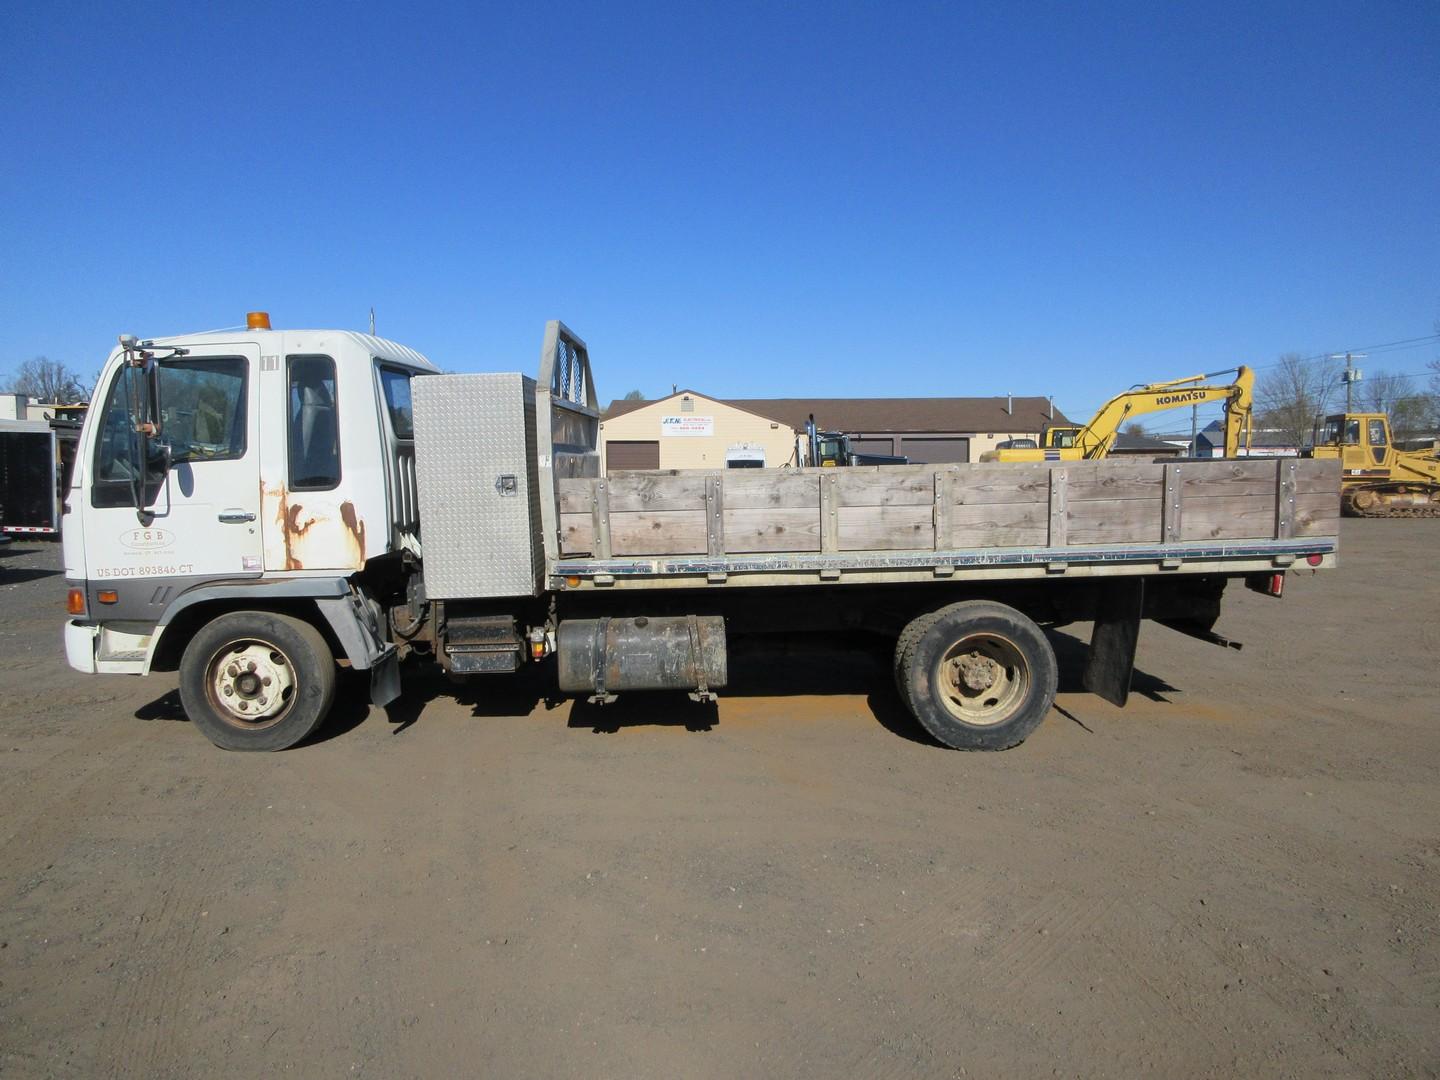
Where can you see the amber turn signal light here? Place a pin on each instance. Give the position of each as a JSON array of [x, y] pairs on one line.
[[107, 596], [75, 602]]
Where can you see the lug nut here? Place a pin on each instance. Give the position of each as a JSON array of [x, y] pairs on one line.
[[232, 670], [265, 681], [228, 691], [243, 706]]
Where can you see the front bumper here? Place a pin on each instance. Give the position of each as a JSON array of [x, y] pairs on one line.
[[80, 646]]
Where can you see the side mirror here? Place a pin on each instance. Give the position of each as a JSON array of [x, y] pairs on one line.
[[151, 456]]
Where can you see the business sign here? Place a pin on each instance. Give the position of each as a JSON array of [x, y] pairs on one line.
[[687, 425]]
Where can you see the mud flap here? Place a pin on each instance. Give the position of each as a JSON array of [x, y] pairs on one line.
[[1111, 662], [385, 679]]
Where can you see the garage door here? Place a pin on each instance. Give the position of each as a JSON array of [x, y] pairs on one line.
[[632, 455], [935, 451], [873, 446]]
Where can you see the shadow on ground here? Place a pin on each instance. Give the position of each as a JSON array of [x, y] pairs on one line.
[[855, 666]]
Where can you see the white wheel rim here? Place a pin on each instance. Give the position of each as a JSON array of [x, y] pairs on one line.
[[982, 679], [251, 683]]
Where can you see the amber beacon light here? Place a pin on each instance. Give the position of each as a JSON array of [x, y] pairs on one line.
[[257, 320]]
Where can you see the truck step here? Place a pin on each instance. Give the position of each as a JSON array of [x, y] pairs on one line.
[[482, 644]]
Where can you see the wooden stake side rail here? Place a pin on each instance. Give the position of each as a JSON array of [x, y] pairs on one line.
[[946, 508]]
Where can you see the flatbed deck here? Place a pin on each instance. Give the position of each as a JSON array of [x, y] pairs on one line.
[[922, 522]]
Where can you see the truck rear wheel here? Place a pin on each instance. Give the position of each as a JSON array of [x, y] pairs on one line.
[[255, 680], [978, 675]]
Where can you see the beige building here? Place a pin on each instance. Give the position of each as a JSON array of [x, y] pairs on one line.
[[689, 430]]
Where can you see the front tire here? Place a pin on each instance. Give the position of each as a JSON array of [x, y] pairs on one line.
[[257, 680], [978, 675]]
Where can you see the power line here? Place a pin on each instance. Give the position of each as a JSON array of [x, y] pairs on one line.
[[1385, 346]]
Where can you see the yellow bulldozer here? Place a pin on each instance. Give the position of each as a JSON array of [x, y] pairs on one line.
[[1377, 480], [1095, 439]]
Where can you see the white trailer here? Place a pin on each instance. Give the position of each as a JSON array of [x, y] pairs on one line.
[[252, 507]]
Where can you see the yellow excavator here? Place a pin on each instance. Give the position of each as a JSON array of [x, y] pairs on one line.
[[1095, 439], [1376, 480]]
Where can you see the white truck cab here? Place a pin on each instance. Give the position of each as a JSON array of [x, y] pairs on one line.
[[266, 462]]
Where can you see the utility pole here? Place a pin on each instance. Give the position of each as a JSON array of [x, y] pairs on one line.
[[1194, 420], [1350, 376]]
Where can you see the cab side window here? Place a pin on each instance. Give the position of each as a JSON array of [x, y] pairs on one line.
[[202, 418], [1377, 432], [202, 409], [396, 386], [314, 439]]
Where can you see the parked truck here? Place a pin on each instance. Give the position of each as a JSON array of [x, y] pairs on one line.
[[30, 470], [251, 508], [829, 449]]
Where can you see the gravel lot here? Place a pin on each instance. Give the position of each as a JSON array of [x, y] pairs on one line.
[[1239, 873]]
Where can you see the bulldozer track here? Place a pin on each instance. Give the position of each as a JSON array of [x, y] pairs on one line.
[[1381, 509]]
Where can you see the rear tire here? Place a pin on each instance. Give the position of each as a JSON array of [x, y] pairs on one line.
[[978, 675], [256, 680]]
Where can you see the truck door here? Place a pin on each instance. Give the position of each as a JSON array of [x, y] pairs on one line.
[[203, 512], [1354, 456]]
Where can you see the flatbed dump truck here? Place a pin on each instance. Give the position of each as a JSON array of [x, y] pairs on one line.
[[252, 508]]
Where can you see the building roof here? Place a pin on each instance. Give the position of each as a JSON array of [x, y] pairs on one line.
[[1214, 434], [859, 415]]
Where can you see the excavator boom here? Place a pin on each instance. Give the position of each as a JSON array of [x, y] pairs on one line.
[[1097, 437]]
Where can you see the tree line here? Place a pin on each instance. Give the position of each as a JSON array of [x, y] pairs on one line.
[[49, 381], [1293, 394]]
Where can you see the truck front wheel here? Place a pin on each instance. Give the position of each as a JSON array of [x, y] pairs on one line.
[[978, 675], [255, 680]]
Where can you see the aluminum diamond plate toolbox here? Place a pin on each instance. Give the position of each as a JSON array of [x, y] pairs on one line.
[[475, 468]]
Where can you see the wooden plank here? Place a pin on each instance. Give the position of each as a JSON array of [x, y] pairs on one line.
[[1214, 479], [987, 484], [1317, 514], [1172, 509], [1116, 521], [1317, 477], [944, 498], [715, 515], [1229, 517], [829, 513], [898, 528], [638, 491], [659, 532], [573, 494], [758, 488], [577, 532], [1284, 499], [885, 487], [1057, 523], [658, 491], [1127, 480], [600, 517], [780, 529], [999, 525]]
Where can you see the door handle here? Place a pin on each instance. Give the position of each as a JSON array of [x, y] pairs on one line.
[[236, 517]]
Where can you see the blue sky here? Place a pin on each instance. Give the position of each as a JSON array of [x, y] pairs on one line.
[[754, 200]]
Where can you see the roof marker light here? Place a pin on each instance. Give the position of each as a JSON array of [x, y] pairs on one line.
[[257, 320]]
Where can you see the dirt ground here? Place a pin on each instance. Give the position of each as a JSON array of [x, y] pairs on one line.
[[1237, 874]]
